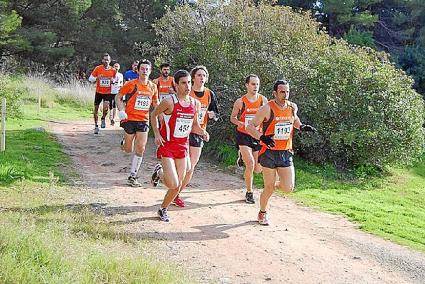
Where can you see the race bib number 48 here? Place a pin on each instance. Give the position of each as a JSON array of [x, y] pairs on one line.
[[282, 130], [142, 103], [183, 127], [104, 83]]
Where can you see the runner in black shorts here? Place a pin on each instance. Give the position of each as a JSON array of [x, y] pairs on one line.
[[244, 110]]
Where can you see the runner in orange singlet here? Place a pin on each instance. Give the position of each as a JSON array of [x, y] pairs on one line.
[[141, 95], [165, 82], [279, 118], [104, 76], [246, 107]]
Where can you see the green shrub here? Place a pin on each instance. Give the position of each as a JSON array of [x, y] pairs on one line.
[[11, 89], [365, 109]]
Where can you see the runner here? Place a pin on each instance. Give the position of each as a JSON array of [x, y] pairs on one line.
[[131, 74], [246, 107], [279, 118], [209, 109], [104, 76], [180, 118], [165, 82], [141, 94], [114, 91]]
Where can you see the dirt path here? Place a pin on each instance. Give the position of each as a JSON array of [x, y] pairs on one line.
[[216, 235]]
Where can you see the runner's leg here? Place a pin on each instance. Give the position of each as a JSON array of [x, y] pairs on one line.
[[269, 177], [249, 162], [286, 179], [173, 174], [195, 154]]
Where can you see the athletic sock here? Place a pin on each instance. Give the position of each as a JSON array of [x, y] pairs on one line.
[[135, 164]]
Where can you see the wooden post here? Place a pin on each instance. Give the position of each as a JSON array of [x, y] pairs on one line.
[[3, 125]]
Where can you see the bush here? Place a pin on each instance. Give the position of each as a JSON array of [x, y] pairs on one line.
[[11, 89], [365, 109]]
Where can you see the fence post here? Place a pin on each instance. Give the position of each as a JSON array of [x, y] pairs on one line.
[[3, 125]]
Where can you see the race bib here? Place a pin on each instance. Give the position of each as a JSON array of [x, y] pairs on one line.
[[201, 115], [163, 96], [248, 119], [183, 127], [282, 130], [104, 83], [142, 103]]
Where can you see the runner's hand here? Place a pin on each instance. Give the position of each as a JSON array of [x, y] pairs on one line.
[[206, 137], [268, 140], [122, 115], [306, 127], [159, 140]]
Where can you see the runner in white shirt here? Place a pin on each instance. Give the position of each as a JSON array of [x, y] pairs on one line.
[[115, 88]]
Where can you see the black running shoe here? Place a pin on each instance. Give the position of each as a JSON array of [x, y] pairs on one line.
[[96, 130], [102, 123], [249, 198], [132, 181], [163, 214], [155, 176]]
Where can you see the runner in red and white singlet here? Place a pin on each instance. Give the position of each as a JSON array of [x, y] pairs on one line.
[[180, 118]]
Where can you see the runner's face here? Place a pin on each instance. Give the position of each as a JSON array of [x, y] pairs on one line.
[[200, 78], [253, 85], [106, 60], [134, 66], [184, 85], [282, 93], [165, 71], [144, 71], [117, 66]]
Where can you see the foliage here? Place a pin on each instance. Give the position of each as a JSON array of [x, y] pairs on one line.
[[353, 96], [10, 88]]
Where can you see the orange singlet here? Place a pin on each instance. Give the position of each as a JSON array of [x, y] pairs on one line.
[[205, 102], [281, 125], [248, 111], [164, 86], [104, 79], [137, 107]]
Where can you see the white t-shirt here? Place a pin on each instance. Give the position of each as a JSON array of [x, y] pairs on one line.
[[119, 81]]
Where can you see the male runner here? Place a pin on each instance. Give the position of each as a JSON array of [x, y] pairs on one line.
[[246, 107], [179, 119], [141, 94], [104, 76], [279, 118], [165, 82], [209, 109], [132, 73]]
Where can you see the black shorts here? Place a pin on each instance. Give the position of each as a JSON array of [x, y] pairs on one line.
[[195, 140], [98, 98], [276, 159], [247, 140], [131, 127]]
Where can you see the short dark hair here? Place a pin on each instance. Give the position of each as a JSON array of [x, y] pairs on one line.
[[106, 54], [251, 76], [144, 61], [164, 65], [180, 74], [197, 68], [279, 82]]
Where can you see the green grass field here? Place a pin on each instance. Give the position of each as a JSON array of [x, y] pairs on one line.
[[44, 239]]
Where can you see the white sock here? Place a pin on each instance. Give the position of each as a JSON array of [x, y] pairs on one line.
[[135, 164]]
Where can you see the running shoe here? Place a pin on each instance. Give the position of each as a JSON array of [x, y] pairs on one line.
[[239, 161], [112, 122], [249, 198], [163, 214], [263, 219], [96, 130], [132, 181], [102, 123], [178, 201], [155, 176]]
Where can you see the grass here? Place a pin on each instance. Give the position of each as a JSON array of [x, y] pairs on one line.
[[392, 206], [45, 237]]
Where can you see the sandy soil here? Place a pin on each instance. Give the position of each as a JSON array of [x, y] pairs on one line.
[[216, 236]]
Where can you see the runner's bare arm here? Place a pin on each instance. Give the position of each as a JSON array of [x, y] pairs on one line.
[[297, 121], [235, 111], [262, 114], [166, 106]]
